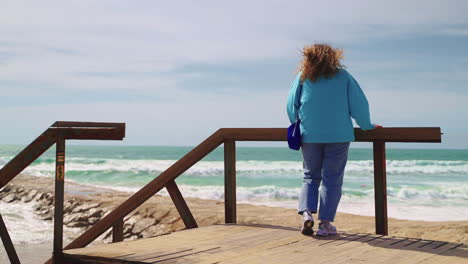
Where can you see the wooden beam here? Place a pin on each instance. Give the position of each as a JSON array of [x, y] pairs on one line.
[[148, 190], [255, 134], [117, 231], [388, 134], [400, 134], [181, 205], [91, 133], [86, 124], [9, 247], [26, 157], [59, 196], [230, 181], [380, 189]]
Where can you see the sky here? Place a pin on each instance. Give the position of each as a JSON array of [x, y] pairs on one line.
[[176, 71]]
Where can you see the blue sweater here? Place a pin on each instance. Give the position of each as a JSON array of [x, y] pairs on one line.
[[326, 107]]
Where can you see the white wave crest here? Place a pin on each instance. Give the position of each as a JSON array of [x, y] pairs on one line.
[[253, 167]]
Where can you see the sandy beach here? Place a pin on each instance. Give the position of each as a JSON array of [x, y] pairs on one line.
[[85, 205]]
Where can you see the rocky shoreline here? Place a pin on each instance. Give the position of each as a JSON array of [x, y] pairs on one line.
[[84, 211], [79, 213]]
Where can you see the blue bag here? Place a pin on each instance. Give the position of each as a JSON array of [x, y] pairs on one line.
[[294, 130]]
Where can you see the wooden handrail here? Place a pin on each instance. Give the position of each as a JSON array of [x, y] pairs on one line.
[[388, 134], [230, 135], [69, 130], [57, 133], [198, 153], [62, 130]]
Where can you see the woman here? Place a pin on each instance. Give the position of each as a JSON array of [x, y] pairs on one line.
[[325, 97]]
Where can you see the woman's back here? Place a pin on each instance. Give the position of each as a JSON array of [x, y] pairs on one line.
[[325, 108]]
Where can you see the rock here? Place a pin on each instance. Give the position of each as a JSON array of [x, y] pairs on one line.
[[46, 217], [93, 220], [127, 228], [25, 199], [44, 212], [85, 207], [10, 198], [70, 219], [32, 194], [169, 220], [69, 205], [29, 196], [161, 214], [156, 230], [95, 212], [5, 189], [133, 220], [78, 224], [39, 196], [178, 225], [143, 224], [43, 204], [49, 197]]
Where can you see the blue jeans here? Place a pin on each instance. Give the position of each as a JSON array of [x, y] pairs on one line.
[[323, 163]]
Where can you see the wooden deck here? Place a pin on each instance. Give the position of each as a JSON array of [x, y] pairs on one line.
[[232, 243]]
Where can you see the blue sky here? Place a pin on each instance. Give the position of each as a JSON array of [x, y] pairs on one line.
[[175, 71]]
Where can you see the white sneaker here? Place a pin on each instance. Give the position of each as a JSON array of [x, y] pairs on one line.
[[307, 223], [326, 229]]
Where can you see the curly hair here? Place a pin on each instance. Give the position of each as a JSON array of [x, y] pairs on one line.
[[320, 60]]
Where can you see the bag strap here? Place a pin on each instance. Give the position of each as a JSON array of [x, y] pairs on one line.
[[299, 100]]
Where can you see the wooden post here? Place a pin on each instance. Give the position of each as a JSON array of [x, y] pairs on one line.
[[9, 248], [117, 231], [380, 188], [59, 193], [181, 205], [230, 181]]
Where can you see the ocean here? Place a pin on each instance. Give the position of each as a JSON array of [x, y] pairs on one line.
[[423, 184]]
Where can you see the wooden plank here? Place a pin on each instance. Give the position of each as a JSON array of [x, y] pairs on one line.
[[388, 134], [455, 255], [230, 210], [173, 242], [87, 124], [117, 231], [26, 157], [59, 195], [265, 244], [181, 205], [380, 188], [148, 190], [255, 134], [400, 134], [91, 133], [9, 247]]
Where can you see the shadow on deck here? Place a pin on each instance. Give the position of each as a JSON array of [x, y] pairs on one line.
[[232, 243]]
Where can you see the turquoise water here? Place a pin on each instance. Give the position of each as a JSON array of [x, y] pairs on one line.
[[415, 177]]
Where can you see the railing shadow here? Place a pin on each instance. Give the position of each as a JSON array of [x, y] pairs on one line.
[[390, 242], [435, 247]]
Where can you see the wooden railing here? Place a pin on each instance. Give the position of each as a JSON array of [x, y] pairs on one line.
[[229, 136], [61, 131], [57, 134]]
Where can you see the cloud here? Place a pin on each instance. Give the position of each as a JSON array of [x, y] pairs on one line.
[[208, 64]]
